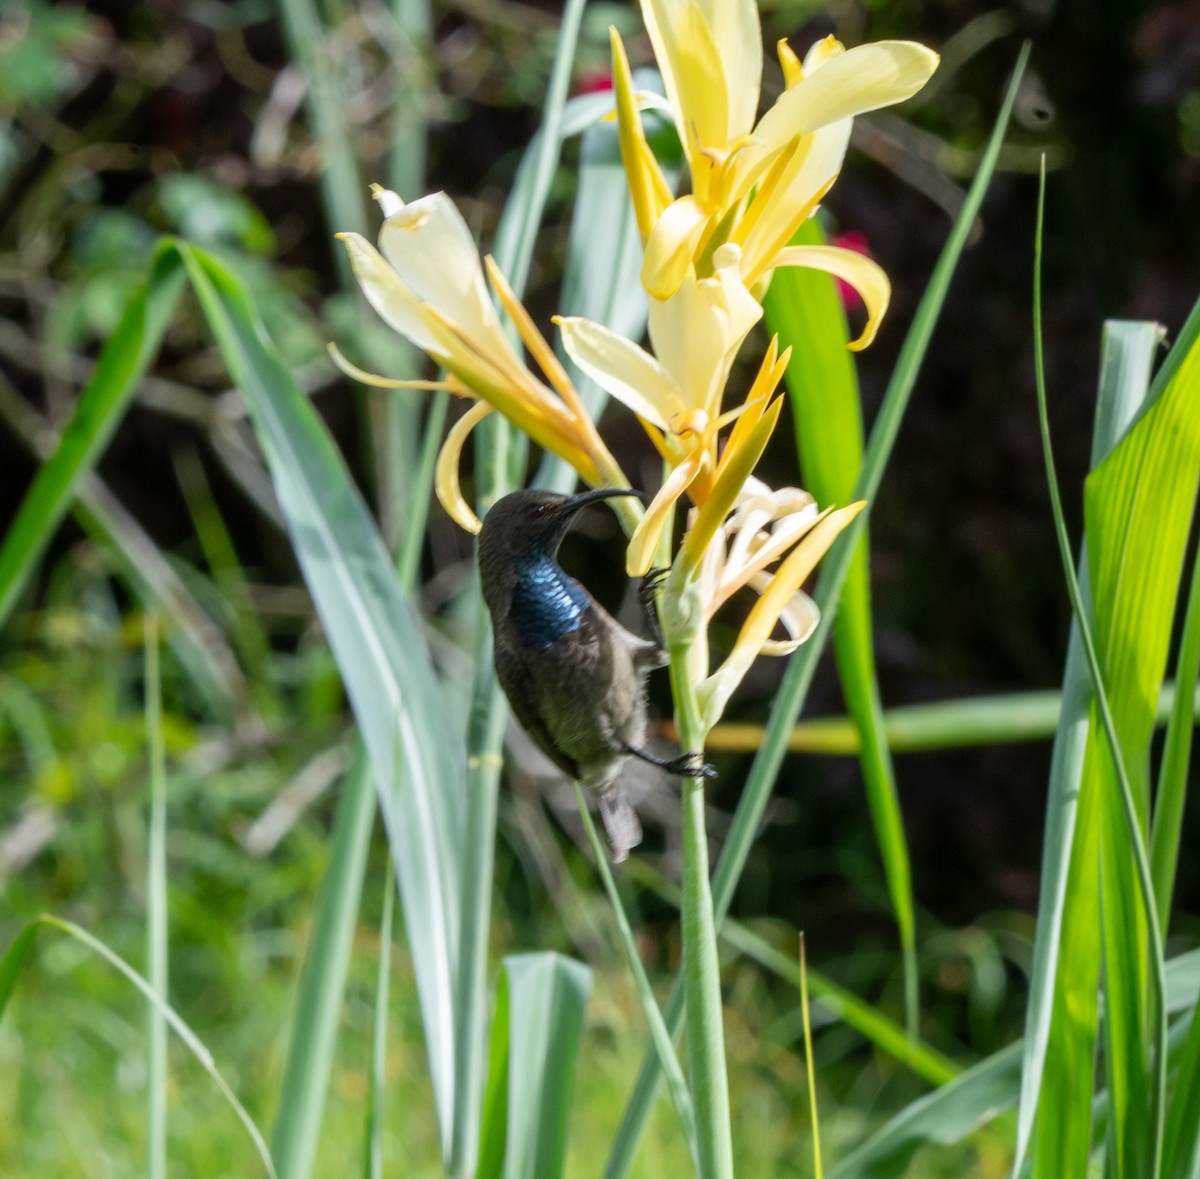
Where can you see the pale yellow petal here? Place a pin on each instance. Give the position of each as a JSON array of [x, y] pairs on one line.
[[672, 245], [812, 164], [379, 382], [738, 36], [734, 471], [696, 333], [647, 185], [799, 564], [623, 369], [862, 79], [397, 305], [819, 52], [793, 71], [765, 613], [533, 339], [762, 529], [643, 544], [689, 59], [799, 617], [446, 482], [865, 275], [766, 381], [432, 250]]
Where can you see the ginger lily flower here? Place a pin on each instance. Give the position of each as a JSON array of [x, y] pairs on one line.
[[677, 391], [753, 184], [428, 284]]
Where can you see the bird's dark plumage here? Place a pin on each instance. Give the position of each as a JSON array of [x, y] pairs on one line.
[[573, 675]]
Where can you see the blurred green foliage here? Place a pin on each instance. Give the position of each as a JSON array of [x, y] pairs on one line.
[[127, 121]]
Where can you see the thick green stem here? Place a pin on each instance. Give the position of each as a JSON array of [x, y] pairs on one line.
[[701, 969]]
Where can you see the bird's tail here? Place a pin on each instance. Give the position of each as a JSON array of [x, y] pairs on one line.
[[621, 824]]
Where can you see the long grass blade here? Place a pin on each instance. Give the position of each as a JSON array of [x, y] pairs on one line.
[[790, 698], [676, 1082], [803, 307], [1167, 828], [809, 1067], [538, 1028], [875, 1027], [401, 482], [17, 957], [944, 1116], [314, 1028], [1181, 1142], [247, 631], [415, 753], [1062, 1013], [945, 724], [156, 910], [517, 233], [1137, 1124], [197, 642], [101, 406], [373, 1155], [310, 46]]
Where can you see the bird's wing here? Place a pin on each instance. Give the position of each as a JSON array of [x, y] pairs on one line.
[[521, 689]]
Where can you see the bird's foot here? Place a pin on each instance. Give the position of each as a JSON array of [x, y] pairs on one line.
[[691, 765], [686, 765], [646, 590]]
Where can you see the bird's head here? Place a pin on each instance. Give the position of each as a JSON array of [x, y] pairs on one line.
[[533, 522]]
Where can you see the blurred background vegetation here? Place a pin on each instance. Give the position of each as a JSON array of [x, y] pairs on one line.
[[120, 122]]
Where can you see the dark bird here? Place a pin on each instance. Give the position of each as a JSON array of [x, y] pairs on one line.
[[575, 677]]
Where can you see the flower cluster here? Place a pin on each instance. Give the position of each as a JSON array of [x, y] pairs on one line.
[[709, 258]]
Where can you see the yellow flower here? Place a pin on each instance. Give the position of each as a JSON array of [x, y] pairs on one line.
[[677, 391], [753, 183], [429, 285]]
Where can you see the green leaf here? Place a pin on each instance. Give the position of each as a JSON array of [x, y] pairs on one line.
[[318, 1011], [156, 909], [101, 406], [1138, 507], [1181, 1145], [1134, 983], [518, 228], [413, 745], [1060, 1024], [676, 1082], [535, 1039], [15, 959], [373, 1153], [944, 1116], [1167, 827], [804, 308], [983, 1092]]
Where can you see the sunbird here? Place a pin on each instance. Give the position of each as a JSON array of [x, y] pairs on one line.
[[575, 677]]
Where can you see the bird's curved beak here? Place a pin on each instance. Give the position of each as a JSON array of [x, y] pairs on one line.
[[566, 511], [573, 503]]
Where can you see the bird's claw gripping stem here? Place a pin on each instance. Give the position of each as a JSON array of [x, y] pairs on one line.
[[646, 591], [686, 765]]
